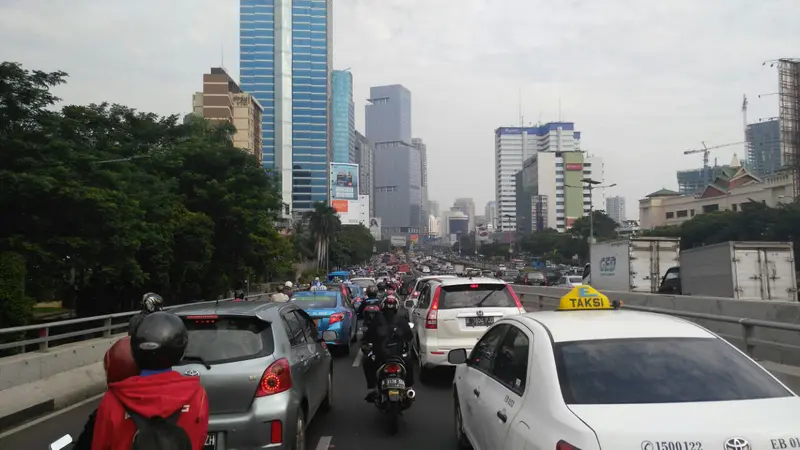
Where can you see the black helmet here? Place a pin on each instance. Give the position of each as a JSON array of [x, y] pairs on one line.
[[372, 291], [381, 286], [159, 341], [152, 302]]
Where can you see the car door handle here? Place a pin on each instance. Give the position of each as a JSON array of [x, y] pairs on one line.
[[502, 416], [476, 392]]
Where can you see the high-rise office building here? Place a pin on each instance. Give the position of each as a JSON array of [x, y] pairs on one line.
[[764, 147], [615, 208], [398, 164], [366, 167], [513, 145], [423, 156], [433, 208], [285, 56], [343, 118], [467, 206], [222, 100], [490, 211]]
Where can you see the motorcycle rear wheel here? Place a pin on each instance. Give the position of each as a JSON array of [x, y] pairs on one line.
[[392, 417]]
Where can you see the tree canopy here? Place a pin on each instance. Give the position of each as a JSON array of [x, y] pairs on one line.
[[104, 202]]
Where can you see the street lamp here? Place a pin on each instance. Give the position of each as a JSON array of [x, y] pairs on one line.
[[592, 185]]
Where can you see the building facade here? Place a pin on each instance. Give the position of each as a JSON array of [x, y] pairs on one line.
[[729, 192], [285, 56], [549, 192], [222, 100], [366, 166], [513, 146], [467, 206], [615, 208], [764, 147], [398, 164], [490, 211], [343, 118]]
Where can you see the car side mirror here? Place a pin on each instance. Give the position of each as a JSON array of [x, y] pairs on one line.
[[409, 304], [328, 335], [457, 356]]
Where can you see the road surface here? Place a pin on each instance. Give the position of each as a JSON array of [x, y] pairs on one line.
[[353, 424]]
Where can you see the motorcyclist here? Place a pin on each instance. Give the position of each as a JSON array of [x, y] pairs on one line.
[[387, 336], [158, 343], [118, 365], [280, 295], [381, 289], [240, 297], [151, 302], [372, 299]]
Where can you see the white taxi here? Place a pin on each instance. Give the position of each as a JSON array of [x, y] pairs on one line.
[[591, 376]]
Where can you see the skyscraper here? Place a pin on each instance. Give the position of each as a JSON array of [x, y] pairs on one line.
[[764, 147], [398, 165], [467, 206], [513, 145], [615, 208], [366, 169], [285, 56], [490, 211], [343, 117], [423, 157]]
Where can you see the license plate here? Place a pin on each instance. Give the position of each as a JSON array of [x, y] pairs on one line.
[[394, 383], [394, 393], [479, 321], [211, 442]]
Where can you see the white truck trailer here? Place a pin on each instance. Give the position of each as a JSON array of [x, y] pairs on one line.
[[740, 270], [631, 265]]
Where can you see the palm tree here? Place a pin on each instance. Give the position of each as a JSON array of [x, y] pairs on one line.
[[323, 224]]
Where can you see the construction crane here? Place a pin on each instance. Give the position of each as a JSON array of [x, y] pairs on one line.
[[705, 151]]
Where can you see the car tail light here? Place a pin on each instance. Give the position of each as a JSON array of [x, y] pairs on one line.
[[276, 432], [431, 320], [276, 379], [516, 300], [392, 368], [562, 445], [336, 317]]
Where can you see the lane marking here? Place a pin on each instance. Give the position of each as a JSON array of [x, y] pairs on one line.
[[50, 416], [357, 360], [324, 443]]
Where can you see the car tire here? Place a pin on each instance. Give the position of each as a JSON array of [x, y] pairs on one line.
[[300, 431], [327, 402], [462, 441]]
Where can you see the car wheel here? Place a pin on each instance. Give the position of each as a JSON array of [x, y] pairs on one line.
[[300, 432], [327, 403], [461, 437]]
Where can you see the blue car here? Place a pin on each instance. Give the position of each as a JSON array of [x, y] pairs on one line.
[[331, 311]]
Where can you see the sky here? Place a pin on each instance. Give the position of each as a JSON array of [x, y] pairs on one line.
[[643, 81]]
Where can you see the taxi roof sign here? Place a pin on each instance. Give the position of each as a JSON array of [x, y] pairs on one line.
[[584, 297]]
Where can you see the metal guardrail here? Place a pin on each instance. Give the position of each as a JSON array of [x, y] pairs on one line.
[[747, 325], [107, 328]]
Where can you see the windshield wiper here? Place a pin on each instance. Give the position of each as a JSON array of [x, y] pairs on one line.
[[480, 303], [197, 359]]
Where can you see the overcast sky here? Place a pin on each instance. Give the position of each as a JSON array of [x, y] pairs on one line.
[[643, 80]]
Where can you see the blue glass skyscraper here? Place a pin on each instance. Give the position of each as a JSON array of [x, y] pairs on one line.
[[285, 54], [343, 117]]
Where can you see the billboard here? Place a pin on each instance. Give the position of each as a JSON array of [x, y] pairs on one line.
[[398, 241], [344, 181], [375, 228], [573, 166]]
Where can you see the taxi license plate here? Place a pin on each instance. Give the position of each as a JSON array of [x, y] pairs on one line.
[[394, 383], [211, 442], [479, 321]]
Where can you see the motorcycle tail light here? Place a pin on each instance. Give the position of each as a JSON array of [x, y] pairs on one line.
[[392, 368]]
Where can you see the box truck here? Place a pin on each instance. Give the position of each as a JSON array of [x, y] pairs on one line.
[[631, 265], [740, 270]]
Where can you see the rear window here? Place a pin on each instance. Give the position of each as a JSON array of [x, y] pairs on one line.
[[535, 276], [662, 370], [364, 283], [227, 339], [575, 279], [511, 273], [315, 301], [476, 296]]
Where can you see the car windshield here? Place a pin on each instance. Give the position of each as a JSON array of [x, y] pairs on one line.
[[659, 370], [476, 296], [316, 300], [226, 339]]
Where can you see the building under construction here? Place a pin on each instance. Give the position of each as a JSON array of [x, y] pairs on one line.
[[694, 181], [789, 116]]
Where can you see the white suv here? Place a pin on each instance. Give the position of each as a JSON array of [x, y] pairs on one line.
[[415, 291], [454, 313]]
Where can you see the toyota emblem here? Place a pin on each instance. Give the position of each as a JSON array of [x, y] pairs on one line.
[[737, 443], [194, 373], [479, 313]]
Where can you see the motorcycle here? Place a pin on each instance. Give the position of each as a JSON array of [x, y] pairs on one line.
[[61, 443], [391, 394], [370, 313]]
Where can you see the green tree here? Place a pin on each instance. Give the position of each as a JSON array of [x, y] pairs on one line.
[[605, 228], [351, 246], [324, 223]]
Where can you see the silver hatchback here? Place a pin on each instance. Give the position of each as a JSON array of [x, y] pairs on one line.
[[264, 368]]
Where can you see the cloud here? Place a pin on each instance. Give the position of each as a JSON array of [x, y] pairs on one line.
[[642, 80]]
